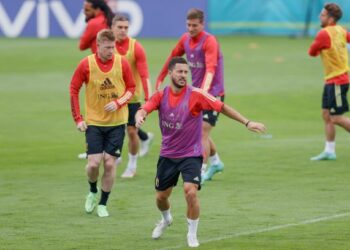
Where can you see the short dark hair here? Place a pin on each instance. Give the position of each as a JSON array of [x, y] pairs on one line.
[[119, 17], [334, 11], [103, 6], [195, 14], [105, 35], [175, 60]]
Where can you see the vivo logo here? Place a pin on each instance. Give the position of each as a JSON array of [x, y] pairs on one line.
[[72, 27]]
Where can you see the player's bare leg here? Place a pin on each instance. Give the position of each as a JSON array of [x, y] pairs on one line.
[[341, 121], [206, 148], [163, 204], [107, 183], [192, 200], [92, 170], [216, 165]]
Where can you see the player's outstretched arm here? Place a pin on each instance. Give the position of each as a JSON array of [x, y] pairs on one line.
[[140, 117], [235, 115]]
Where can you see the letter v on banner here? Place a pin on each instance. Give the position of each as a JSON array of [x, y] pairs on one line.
[[14, 29], [71, 29]]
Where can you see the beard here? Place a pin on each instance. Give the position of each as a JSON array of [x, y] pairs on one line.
[[178, 85]]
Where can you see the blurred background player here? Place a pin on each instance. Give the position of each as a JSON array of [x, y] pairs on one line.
[[109, 86], [206, 64], [132, 50], [331, 44], [180, 117], [98, 16]]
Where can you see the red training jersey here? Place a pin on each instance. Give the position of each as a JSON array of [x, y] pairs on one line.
[[199, 101], [141, 61], [323, 41], [211, 51], [94, 25], [81, 76]]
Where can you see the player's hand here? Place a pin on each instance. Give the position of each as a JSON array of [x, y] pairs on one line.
[[139, 119], [111, 107], [256, 127], [81, 126]]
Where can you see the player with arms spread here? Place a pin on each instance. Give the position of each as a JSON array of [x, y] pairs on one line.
[[180, 119]]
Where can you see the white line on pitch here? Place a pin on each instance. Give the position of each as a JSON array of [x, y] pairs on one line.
[[268, 229]]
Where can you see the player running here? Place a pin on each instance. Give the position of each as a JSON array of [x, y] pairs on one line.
[[331, 43]]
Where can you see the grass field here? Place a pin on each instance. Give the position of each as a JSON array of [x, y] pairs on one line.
[[270, 195]]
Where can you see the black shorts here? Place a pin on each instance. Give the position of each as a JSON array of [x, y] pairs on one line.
[[133, 107], [211, 116], [169, 169], [105, 139], [334, 98]]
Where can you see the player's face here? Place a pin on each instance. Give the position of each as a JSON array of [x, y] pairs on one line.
[[89, 11], [105, 50], [179, 74], [324, 18], [120, 30], [194, 27]]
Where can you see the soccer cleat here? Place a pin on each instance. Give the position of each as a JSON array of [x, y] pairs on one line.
[[129, 173], [213, 169], [160, 228], [192, 240], [91, 202], [145, 145], [82, 156], [102, 211], [324, 156]]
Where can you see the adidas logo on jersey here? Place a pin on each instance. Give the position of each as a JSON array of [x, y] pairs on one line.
[[107, 84]]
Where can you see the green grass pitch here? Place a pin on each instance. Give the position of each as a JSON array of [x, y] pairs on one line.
[[270, 196]]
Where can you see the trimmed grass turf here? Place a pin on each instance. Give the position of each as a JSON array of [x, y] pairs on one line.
[[266, 182]]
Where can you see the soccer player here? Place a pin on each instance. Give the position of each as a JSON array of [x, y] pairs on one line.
[[98, 16], [132, 50], [180, 118], [109, 86], [206, 63], [331, 43]]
